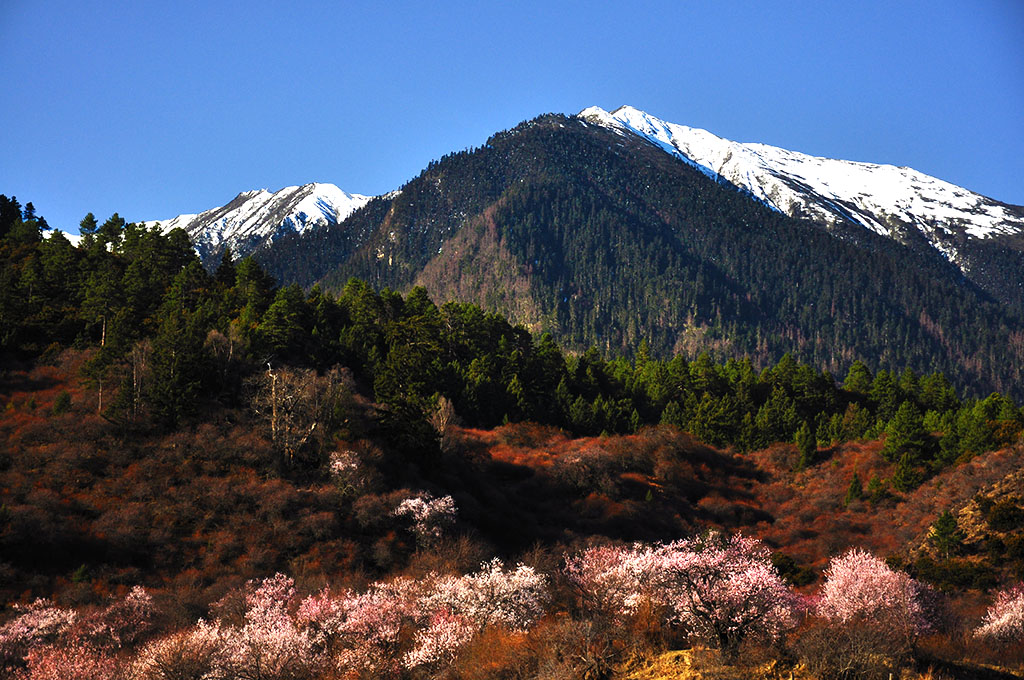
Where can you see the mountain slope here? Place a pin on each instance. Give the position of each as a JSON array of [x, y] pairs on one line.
[[909, 206], [603, 239], [255, 218]]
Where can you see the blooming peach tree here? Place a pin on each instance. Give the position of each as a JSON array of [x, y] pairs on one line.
[[860, 587], [1004, 620], [724, 590]]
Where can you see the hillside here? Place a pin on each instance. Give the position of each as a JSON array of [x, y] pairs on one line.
[[605, 240], [208, 474], [976, 235]]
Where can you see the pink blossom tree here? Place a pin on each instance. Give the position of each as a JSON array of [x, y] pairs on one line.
[[612, 581], [860, 587], [362, 632], [39, 624], [445, 634], [122, 623], [873, 616], [725, 590], [198, 652], [269, 645], [1004, 620], [74, 661], [494, 596], [430, 516]]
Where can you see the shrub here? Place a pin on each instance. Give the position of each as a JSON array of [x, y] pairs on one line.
[[62, 404]]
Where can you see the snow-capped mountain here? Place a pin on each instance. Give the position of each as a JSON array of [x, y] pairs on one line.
[[255, 218], [897, 202]]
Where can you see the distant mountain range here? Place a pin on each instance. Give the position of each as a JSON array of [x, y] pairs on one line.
[[609, 229]]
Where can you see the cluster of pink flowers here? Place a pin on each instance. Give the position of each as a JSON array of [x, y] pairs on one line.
[[430, 516], [861, 587], [390, 626], [720, 589], [1004, 620], [40, 624], [45, 641]]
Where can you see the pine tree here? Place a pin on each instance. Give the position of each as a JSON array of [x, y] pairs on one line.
[[945, 534], [806, 446], [906, 435], [907, 476], [858, 378], [855, 491]]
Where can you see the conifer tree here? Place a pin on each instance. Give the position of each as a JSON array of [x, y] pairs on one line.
[[906, 435], [855, 491], [945, 534], [806, 446]]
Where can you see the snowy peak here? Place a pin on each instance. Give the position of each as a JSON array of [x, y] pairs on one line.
[[255, 218], [886, 199]]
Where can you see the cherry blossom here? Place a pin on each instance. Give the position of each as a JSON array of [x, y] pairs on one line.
[[492, 597], [431, 516], [1004, 620], [198, 652], [724, 590], [72, 662], [859, 586], [40, 623]]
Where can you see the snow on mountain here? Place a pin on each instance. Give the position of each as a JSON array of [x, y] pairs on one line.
[[888, 200], [256, 218]]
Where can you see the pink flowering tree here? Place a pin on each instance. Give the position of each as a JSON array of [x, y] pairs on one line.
[[269, 645], [431, 517], [725, 590], [873, 616], [362, 633], [860, 587], [198, 652], [613, 582], [38, 625], [1004, 620], [73, 661], [494, 596], [444, 635], [123, 623]]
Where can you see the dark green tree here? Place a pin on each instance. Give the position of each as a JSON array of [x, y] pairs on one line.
[[905, 434], [806, 446], [946, 535], [855, 491]]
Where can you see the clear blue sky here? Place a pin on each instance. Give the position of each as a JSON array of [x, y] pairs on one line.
[[155, 109]]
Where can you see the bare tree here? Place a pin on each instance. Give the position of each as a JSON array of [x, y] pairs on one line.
[[300, 407], [443, 419]]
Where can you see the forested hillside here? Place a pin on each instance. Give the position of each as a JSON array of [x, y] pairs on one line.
[[209, 474], [605, 241]]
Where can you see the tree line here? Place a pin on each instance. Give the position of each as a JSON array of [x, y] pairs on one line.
[[171, 338]]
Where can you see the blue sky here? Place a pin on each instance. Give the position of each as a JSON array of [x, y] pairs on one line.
[[155, 109]]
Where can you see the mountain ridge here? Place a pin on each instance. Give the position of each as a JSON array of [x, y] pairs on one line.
[[255, 218], [896, 202]]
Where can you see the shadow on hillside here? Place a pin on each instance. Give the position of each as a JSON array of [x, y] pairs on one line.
[[520, 487]]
